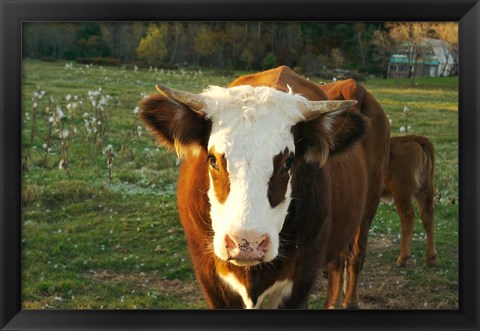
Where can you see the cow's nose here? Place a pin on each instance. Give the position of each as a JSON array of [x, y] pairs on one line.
[[249, 249]]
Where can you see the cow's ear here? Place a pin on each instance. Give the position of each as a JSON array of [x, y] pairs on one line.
[[328, 134], [175, 125]]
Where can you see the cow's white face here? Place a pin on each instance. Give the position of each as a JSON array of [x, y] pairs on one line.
[[247, 134], [251, 151]]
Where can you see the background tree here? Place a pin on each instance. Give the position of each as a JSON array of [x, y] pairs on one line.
[[383, 47], [89, 41], [49, 41], [310, 47], [152, 47], [123, 38]]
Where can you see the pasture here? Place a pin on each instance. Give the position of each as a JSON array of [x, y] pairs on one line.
[[100, 226]]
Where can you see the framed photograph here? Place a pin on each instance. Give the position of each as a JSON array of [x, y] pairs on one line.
[[96, 204]]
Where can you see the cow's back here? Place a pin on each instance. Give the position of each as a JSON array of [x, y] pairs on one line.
[[377, 141], [283, 79], [411, 162]]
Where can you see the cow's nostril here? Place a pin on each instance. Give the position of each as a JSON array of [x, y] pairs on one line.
[[230, 244], [264, 244]]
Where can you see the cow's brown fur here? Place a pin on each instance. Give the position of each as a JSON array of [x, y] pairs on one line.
[[277, 186], [410, 174], [376, 149], [330, 204], [221, 181]]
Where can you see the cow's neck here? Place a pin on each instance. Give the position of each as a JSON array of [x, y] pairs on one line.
[[270, 298], [264, 286]]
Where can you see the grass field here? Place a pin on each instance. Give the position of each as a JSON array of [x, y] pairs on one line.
[[100, 226]]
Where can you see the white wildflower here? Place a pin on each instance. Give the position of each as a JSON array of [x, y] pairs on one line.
[[64, 134], [406, 110], [136, 110], [59, 112], [68, 97], [62, 164], [402, 129]]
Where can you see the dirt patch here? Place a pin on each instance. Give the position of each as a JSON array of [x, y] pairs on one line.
[[186, 290], [382, 284]]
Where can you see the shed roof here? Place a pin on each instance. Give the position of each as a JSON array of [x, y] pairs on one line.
[[400, 58]]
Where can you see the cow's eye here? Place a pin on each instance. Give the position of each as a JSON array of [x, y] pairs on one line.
[[213, 161], [288, 163]]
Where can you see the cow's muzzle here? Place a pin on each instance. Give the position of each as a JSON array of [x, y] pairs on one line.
[[244, 251]]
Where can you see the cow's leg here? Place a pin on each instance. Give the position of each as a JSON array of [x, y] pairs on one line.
[[403, 203], [425, 207], [335, 283], [355, 260]]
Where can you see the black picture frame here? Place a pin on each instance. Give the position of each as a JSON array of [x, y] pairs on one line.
[[14, 12]]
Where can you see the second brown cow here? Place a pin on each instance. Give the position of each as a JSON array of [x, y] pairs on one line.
[[410, 175]]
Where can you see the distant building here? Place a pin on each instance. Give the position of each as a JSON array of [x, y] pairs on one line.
[[448, 65], [433, 60]]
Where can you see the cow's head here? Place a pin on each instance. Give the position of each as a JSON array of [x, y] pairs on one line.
[[254, 137]]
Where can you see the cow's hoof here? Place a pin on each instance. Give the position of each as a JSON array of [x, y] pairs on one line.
[[402, 261], [432, 261], [334, 307], [351, 306]]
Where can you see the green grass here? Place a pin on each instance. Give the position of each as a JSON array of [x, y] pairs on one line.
[[92, 242]]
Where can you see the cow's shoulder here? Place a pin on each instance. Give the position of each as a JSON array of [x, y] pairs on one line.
[[347, 89], [281, 78]]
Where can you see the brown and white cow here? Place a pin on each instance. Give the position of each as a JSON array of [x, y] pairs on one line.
[[410, 174], [275, 183]]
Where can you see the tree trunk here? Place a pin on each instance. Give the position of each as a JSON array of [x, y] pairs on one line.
[[361, 47], [175, 45]]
